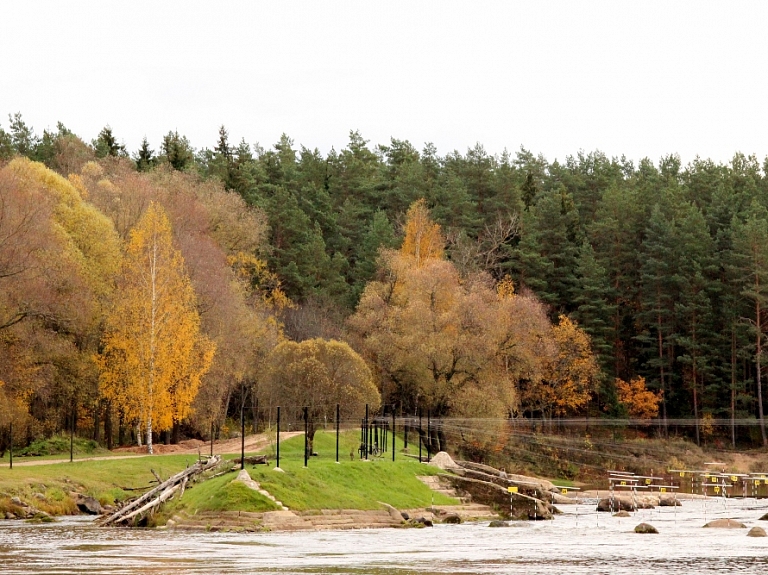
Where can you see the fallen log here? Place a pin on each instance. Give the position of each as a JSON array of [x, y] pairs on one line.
[[253, 460], [159, 494]]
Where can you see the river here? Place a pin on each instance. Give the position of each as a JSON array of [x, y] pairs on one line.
[[580, 541]]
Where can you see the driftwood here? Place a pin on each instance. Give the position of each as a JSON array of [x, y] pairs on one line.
[[157, 495], [254, 460]]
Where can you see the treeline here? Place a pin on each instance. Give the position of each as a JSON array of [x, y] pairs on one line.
[[663, 265]]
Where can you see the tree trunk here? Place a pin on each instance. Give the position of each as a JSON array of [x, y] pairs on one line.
[[121, 429], [733, 388], [759, 367], [661, 376], [108, 425], [149, 435], [175, 433], [97, 423]]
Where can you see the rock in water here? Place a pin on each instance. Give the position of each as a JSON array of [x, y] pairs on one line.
[[89, 505], [622, 514], [645, 528], [498, 524], [726, 524], [669, 501], [764, 517], [452, 519], [756, 532]]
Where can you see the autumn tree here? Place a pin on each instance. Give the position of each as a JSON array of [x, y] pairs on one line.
[[640, 402], [570, 373], [154, 355], [318, 374]]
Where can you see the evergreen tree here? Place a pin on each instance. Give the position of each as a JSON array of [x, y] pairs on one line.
[[144, 158], [106, 144]]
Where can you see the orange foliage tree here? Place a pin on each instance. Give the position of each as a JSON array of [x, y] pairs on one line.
[[154, 355], [640, 402]]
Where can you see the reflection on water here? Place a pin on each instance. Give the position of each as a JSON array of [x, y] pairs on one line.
[[580, 541]]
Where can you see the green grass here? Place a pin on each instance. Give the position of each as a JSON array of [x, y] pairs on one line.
[[324, 484], [222, 494], [103, 480]]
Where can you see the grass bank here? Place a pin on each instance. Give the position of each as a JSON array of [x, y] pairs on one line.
[[323, 484]]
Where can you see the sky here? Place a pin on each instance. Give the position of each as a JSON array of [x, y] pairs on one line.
[[641, 79]]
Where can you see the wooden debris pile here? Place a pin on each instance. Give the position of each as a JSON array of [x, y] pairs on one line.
[[147, 503]]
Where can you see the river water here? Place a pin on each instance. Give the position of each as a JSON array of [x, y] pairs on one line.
[[579, 541]]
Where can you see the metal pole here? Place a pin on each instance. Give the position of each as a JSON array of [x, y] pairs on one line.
[[420, 439], [406, 425], [429, 436], [366, 431], [337, 432], [278, 436], [393, 433], [72, 435], [242, 433], [306, 435], [10, 453]]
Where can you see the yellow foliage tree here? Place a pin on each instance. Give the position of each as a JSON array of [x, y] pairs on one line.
[[641, 403], [318, 374], [570, 373], [154, 354], [423, 240]]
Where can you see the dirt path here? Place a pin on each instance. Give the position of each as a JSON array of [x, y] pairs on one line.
[[192, 447]]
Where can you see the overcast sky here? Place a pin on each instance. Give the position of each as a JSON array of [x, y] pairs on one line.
[[636, 78]]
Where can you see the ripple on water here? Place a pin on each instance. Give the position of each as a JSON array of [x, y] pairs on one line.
[[578, 542]]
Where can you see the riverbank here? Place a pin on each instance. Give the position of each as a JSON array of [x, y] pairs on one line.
[[351, 493]]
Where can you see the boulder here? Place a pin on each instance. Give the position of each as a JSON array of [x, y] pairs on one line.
[[764, 517], [646, 528], [498, 523], [757, 532], [726, 524], [524, 507], [452, 519], [423, 521], [510, 505], [621, 504], [393, 513], [444, 461], [669, 501], [622, 514], [17, 501], [88, 505], [404, 515], [9, 515]]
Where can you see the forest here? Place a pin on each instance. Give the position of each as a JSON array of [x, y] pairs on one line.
[[468, 284]]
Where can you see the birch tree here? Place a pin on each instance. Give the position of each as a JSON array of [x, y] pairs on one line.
[[154, 354]]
